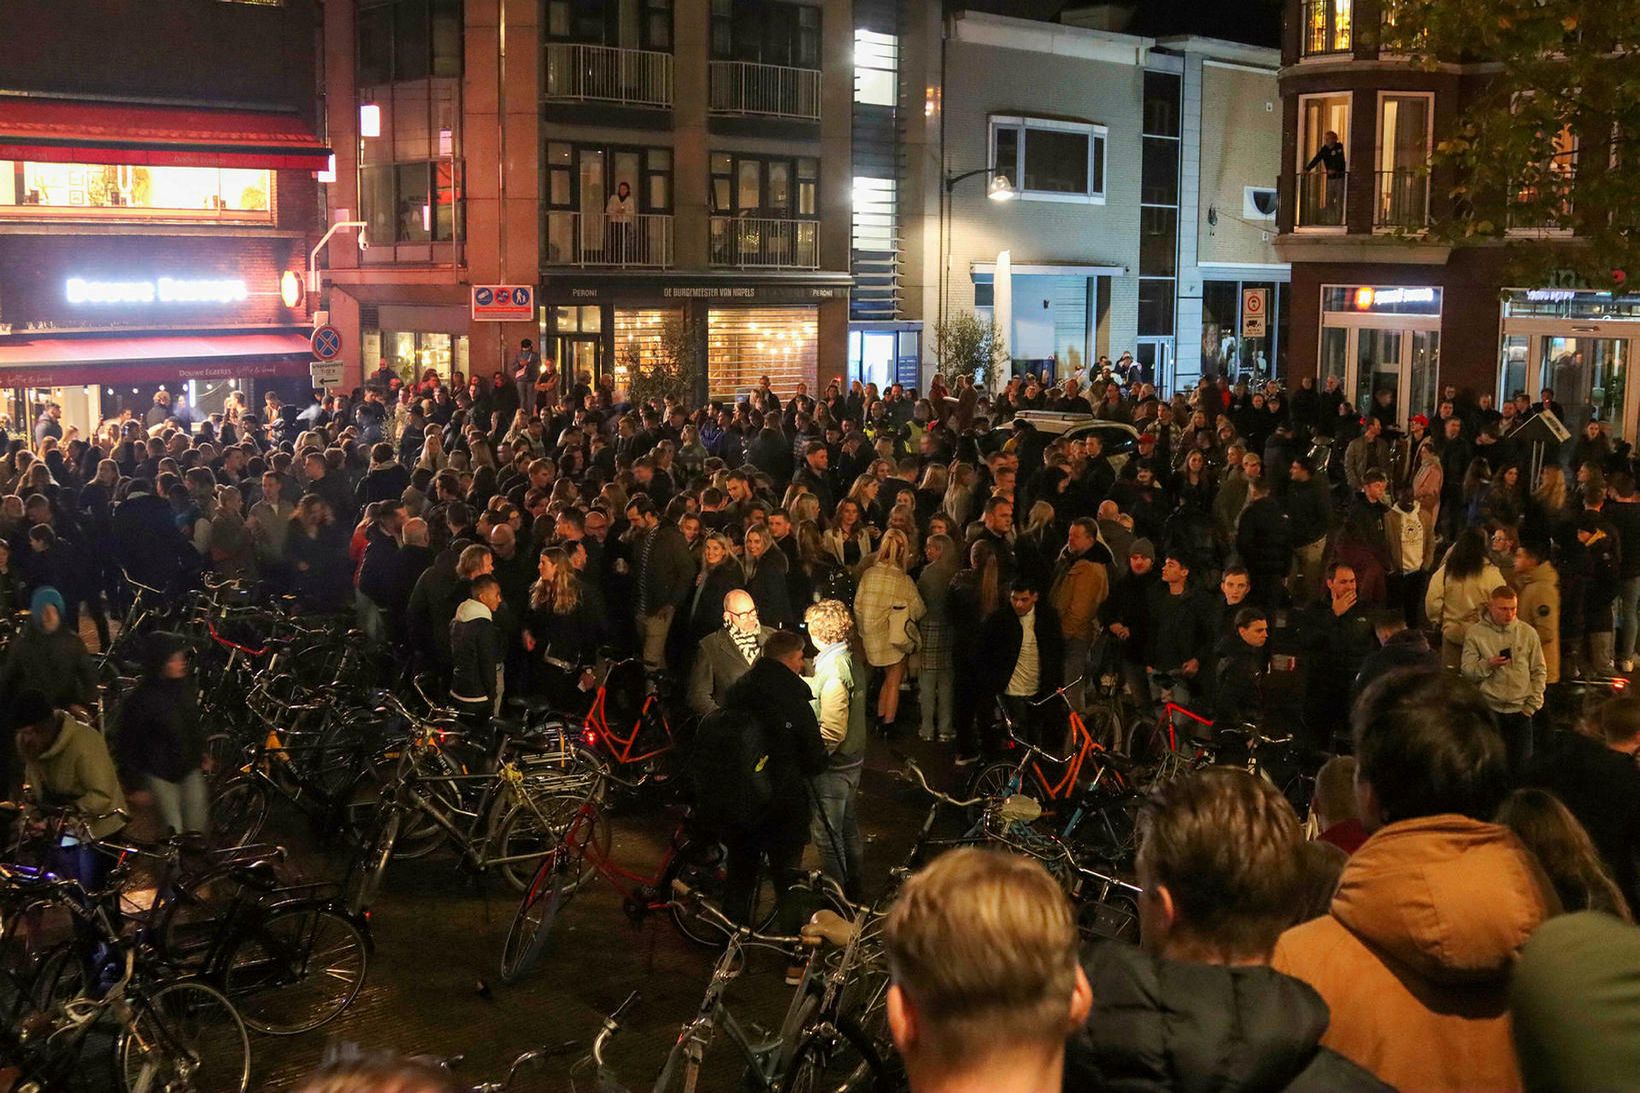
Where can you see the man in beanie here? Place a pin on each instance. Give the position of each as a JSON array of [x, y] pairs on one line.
[[161, 742], [48, 657], [1126, 614]]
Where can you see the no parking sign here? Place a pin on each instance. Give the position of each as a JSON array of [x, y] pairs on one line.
[[1255, 304]]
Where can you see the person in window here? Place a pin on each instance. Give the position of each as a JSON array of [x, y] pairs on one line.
[[1330, 158], [621, 214]]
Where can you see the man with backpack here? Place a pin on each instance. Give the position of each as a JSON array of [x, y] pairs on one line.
[[750, 764]]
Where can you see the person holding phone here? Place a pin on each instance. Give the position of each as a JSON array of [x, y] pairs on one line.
[[1502, 656]]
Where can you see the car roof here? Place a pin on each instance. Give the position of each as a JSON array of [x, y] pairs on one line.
[[1061, 423]]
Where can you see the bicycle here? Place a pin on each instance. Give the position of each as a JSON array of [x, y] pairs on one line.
[[585, 845]]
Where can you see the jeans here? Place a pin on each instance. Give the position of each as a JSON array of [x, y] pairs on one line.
[[183, 806], [526, 395], [1628, 615], [1517, 736], [1076, 672], [371, 619], [835, 828], [935, 689]]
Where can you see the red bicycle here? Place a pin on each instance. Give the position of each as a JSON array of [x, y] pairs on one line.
[[624, 728], [584, 849]]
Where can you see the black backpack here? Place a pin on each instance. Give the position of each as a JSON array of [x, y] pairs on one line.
[[729, 769]]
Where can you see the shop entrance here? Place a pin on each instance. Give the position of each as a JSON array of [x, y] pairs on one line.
[[1383, 340], [581, 353], [1589, 376]]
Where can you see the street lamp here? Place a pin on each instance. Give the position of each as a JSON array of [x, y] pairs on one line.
[[998, 187], [313, 255]]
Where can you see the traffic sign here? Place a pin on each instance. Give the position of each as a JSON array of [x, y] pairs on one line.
[[327, 343], [503, 303], [1255, 304], [326, 374]]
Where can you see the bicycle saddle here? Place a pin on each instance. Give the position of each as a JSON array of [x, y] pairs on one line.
[[828, 928], [530, 703], [1019, 809]]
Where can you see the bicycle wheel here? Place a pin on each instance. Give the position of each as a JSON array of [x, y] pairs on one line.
[[238, 810], [537, 911], [374, 866], [833, 1059], [296, 970], [703, 867], [184, 1037], [534, 826], [996, 780]]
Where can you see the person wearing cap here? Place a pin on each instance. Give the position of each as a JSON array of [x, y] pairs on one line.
[[160, 740], [48, 657], [1127, 616]]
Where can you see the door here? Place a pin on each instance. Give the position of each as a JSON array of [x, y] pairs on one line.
[[1156, 356], [1401, 363], [581, 353], [1588, 376], [1378, 370]]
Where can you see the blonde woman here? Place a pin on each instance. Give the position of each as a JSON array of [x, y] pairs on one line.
[[959, 502], [432, 456], [804, 507], [561, 630], [903, 519], [839, 686], [886, 607]]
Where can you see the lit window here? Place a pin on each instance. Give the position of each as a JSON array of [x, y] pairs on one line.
[[116, 191], [873, 214], [876, 68]]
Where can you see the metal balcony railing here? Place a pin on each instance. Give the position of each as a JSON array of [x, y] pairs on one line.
[[742, 87], [588, 73], [1402, 199], [640, 241], [1326, 27], [1527, 213], [1321, 199], [756, 243]]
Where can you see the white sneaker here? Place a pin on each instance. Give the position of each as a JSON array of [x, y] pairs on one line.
[[925, 734], [1627, 666]]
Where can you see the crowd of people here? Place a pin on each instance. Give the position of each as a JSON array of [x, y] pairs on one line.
[[822, 563]]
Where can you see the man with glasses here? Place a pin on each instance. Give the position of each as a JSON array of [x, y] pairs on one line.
[[727, 654]]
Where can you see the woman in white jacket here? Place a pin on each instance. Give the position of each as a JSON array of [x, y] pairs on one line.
[[885, 606], [1459, 592]]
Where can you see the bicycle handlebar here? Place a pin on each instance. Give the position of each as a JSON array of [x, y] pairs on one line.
[[914, 773], [684, 892]]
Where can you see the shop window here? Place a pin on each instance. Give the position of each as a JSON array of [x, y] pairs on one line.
[[412, 353], [1049, 160], [745, 343], [409, 40], [765, 33], [76, 190], [640, 339]]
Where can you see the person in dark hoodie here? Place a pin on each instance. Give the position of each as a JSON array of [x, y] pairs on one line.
[[160, 743], [476, 650], [1197, 1007], [147, 542], [773, 691], [1399, 649]]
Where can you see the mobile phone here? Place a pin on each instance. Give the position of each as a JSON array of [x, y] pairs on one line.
[[1506, 654]]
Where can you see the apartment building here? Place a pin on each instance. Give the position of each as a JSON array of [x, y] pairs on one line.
[[1376, 301], [652, 169]]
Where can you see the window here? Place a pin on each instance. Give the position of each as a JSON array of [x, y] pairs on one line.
[[766, 33], [411, 202], [586, 224], [1405, 128], [1155, 307], [1159, 172], [1258, 202], [1543, 190], [874, 214], [630, 24], [876, 68], [759, 186], [1158, 241], [410, 176], [1049, 160], [1323, 167], [1161, 104], [409, 40], [76, 190], [1326, 27]]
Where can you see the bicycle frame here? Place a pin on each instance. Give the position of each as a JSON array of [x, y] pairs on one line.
[[626, 883], [624, 750], [470, 839]]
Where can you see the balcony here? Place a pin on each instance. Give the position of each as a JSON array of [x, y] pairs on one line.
[[1325, 27], [1402, 200], [588, 73], [1321, 200], [754, 243], [642, 241], [773, 91]]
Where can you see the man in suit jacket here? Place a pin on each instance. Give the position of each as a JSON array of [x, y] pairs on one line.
[[727, 654]]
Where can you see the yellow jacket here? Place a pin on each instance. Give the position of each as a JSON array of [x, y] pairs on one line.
[[1079, 590]]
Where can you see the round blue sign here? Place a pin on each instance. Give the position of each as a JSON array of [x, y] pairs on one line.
[[327, 343], [484, 296]]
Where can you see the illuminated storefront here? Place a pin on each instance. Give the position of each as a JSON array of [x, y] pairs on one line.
[[1383, 338], [1579, 343]]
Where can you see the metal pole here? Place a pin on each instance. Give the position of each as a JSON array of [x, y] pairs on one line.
[[313, 255]]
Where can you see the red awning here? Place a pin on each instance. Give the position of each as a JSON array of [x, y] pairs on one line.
[[73, 131], [64, 362]]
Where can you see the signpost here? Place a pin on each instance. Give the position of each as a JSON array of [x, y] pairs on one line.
[[327, 343], [326, 374], [1255, 304], [503, 303]]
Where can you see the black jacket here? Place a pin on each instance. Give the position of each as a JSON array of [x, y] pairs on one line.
[[783, 705], [1160, 1025], [1601, 787], [1238, 681], [385, 482], [1129, 605], [1265, 539], [475, 652], [147, 542], [159, 730], [771, 591], [1001, 637]]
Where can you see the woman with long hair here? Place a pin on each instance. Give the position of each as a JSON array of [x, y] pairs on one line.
[[935, 682], [1564, 849], [1193, 485], [1505, 500], [1477, 480], [1039, 543], [1427, 482], [1460, 590], [886, 607], [766, 579], [960, 502], [848, 539], [864, 494], [561, 630]]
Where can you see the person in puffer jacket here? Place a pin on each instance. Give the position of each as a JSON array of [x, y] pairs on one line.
[[1415, 954], [1197, 1008], [476, 650]]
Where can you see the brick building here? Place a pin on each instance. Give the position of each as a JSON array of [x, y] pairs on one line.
[[157, 202]]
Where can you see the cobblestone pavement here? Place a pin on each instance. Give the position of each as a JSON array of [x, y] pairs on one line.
[[433, 987]]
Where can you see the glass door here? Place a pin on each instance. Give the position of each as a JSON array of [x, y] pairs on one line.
[[1423, 394], [1589, 377], [1378, 369], [1156, 357]]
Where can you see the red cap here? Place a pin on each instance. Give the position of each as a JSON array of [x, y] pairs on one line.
[[1420, 420]]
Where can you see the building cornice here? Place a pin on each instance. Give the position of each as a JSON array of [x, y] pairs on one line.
[[1297, 248], [1031, 36]]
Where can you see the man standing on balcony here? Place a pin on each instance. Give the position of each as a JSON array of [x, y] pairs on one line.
[[620, 213], [1331, 160]]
